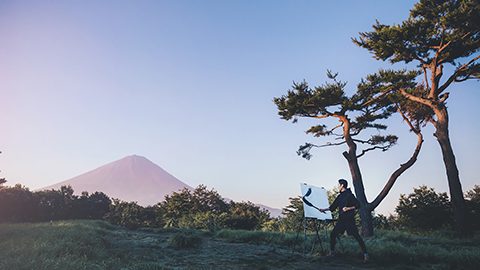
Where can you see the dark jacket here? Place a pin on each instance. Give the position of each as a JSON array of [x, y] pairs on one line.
[[345, 199]]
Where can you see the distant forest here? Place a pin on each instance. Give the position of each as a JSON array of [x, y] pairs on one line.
[[422, 210]]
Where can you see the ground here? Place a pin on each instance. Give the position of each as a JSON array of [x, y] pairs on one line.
[[99, 245]]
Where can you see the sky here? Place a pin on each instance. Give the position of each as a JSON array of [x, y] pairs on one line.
[[189, 85]]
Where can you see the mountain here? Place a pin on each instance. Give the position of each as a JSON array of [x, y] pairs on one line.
[[132, 178], [274, 212]]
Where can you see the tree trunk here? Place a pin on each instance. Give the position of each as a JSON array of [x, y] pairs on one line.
[[351, 156], [364, 211], [456, 192]]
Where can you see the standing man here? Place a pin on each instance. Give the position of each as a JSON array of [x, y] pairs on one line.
[[346, 204]]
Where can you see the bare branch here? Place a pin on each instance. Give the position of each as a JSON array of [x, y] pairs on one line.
[[328, 144], [384, 148], [421, 60], [320, 116], [443, 47], [361, 141], [393, 178], [409, 123], [456, 73], [331, 130], [383, 94], [416, 99]]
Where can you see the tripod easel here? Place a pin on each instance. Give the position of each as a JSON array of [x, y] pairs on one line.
[[318, 223]]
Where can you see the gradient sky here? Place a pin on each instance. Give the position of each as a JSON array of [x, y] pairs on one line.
[[189, 85]]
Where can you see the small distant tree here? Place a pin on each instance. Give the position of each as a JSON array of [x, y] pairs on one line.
[[177, 206], [205, 200], [98, 205], [424, 209], [200, 208], [128, 214], [437, 33], [292, 215], [51, 205], [246, 216]]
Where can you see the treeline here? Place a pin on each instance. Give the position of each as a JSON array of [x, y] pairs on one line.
[[19, 204], [422, 210], [198, 209]]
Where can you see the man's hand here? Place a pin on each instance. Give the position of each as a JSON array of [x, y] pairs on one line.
[[346, 209]]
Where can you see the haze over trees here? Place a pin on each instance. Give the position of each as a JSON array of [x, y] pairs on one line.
[[443, 39]]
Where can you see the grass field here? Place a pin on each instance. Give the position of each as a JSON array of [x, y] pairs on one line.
[[99, 245]]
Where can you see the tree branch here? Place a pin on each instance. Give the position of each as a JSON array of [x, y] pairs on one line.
[[378, 97], [455, 74], [425, 75], [329, 144], [393, 178], [320, 116], [373, 148], [331, 130], [409, 123], [416, 99]]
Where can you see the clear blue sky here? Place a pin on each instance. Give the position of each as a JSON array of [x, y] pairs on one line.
[[189, 85]]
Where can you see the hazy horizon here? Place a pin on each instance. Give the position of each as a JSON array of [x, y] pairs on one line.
[[189, 85]]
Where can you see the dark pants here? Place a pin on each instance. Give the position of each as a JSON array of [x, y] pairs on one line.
[[351, 228]]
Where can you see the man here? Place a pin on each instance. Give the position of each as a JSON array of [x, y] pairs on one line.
[[346, 204]]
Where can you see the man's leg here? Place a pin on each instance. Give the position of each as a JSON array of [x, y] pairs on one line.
[[359, 239], [353, 231], [337, 230]]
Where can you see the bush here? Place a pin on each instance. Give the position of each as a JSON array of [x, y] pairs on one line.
[[185, 240], [424, 209]]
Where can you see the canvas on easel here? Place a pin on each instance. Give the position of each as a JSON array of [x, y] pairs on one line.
[[315, 198]]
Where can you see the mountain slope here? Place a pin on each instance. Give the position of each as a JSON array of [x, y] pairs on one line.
[[133, 178]]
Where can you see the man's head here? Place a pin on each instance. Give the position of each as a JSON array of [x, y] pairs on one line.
[[343, 184]]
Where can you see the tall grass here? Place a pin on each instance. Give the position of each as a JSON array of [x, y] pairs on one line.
[[260, 237], [71, 245], [386, 248]]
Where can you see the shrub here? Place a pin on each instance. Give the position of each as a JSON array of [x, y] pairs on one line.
[[185, 240], [424, 209]]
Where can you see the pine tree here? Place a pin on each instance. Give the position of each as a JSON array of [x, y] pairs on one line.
[[357, 115], [437, 33]]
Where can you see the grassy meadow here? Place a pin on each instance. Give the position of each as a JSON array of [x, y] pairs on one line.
[[99, 245]]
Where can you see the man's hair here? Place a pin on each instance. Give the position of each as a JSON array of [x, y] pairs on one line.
[[343, 182]]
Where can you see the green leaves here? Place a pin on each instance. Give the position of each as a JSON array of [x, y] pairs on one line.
[[424, 209], [373, 101], [303, 101], [448, 27]]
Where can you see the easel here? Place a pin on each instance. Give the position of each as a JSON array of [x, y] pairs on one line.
[[321, 195], [317, 239], [318, 223]]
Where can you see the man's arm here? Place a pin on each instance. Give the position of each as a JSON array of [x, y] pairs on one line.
[[331, 208]]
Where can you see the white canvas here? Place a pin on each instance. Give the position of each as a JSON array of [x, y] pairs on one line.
[[318, 198]]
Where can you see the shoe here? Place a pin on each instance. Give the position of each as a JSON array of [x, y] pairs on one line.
[[365, 257]]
